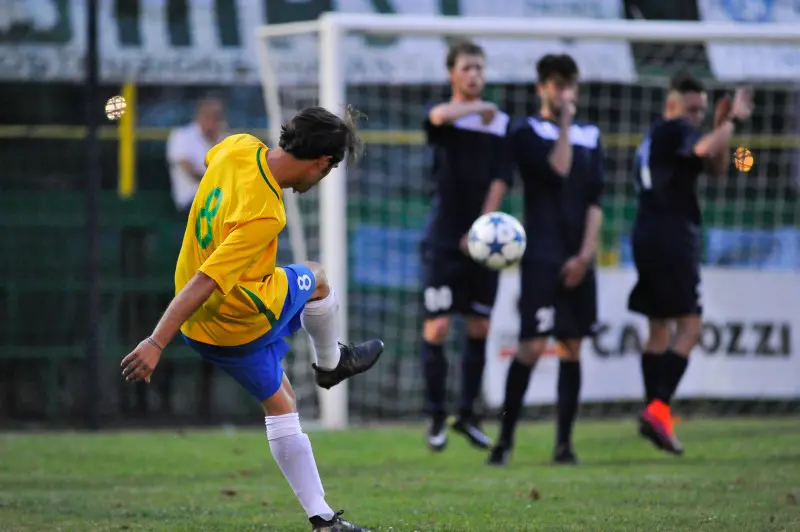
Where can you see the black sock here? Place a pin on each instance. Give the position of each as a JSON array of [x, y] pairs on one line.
[[671, 371], [519, 375], [569, 389], [434, 367], [650, 371], [472, 364]]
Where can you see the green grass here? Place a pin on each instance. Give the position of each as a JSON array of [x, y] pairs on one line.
[[737, 476]]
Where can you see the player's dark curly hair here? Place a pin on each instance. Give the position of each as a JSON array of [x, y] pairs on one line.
[[459, 48], [562, 65], [684, 82], [316, 132]]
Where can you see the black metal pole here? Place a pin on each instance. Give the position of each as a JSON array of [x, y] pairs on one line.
[[92, 191]]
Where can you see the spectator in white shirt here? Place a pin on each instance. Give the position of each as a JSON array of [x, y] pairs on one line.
[[187, 147], [186, 154]]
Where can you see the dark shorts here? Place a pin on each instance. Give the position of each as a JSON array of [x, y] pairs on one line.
[[667, 287], [547, 308], [257, 366], [455, 284]]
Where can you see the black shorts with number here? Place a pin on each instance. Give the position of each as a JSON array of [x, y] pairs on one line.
[[548, 308], [668, 284], [455, 284]]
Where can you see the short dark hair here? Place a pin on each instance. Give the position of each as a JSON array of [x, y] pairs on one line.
[[457, 49], [684, 82], [557, 65], [316, 132]]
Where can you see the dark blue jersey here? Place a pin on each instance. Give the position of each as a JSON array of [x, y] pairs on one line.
[[467, 156], [556, 206], [666, 180]]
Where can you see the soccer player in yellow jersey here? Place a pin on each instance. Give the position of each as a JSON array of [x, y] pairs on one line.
[[234, 307]]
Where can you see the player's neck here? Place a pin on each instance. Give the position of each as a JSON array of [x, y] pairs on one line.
[[280, 166], [547, 113]]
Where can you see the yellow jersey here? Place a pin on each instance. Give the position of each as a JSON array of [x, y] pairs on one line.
[[232, 236]]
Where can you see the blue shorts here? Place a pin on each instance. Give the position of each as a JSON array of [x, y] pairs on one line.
[[257, 365]]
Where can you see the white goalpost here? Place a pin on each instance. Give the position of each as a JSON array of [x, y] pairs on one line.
[[319, 63]]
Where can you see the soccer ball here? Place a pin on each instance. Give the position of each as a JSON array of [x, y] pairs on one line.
[[496, 240], [115, 107]]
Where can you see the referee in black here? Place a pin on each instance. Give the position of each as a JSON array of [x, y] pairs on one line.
[[667, 239], [561, 164]]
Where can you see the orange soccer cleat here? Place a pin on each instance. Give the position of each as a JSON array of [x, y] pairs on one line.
[[656, 424]]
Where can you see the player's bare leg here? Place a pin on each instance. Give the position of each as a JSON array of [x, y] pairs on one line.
[[335, 361], [472, 364], [568, 400], [519, 376], [434, 334], [657, 343], [658, 414], [291, 449]]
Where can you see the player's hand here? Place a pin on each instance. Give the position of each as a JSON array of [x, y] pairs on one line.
[[568, 99], [722, 111], [141, 362], [742, 103], [463, 245], [574, 271], [488, 113]]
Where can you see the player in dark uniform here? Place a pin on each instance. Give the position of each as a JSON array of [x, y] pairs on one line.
[[471, 173], [667, 239], [561, 164]]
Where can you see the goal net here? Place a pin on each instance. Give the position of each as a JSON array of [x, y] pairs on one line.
[[365, 223]]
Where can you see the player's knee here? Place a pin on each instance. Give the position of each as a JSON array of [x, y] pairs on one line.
[[321, 286], [530, 350], [571, 349], [435, 330], [658, 336], [282, 402], [477, 328], [687, 334]]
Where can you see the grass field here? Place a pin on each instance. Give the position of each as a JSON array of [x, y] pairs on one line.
[[741, 475]]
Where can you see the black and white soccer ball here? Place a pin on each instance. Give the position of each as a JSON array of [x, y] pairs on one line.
[[496, 240]]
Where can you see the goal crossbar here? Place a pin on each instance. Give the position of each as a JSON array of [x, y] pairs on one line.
[[546, 28]]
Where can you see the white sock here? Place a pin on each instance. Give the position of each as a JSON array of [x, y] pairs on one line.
[[292, 451], [320, 319]]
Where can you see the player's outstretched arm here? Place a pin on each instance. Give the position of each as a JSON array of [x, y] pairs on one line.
[[447, 113], [221, 271], [718, 141], [141, 362]]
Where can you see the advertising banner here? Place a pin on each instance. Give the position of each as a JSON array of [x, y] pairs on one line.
[[736, 62], [214, 42], [749, 349]]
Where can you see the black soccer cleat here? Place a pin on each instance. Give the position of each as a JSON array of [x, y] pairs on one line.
[[471, 430], [353, 359], [565, 455], [498, 456], [647, 433], [436, 437], [337, 524]]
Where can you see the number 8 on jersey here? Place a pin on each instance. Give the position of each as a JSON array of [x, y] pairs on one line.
[[206, 216]]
